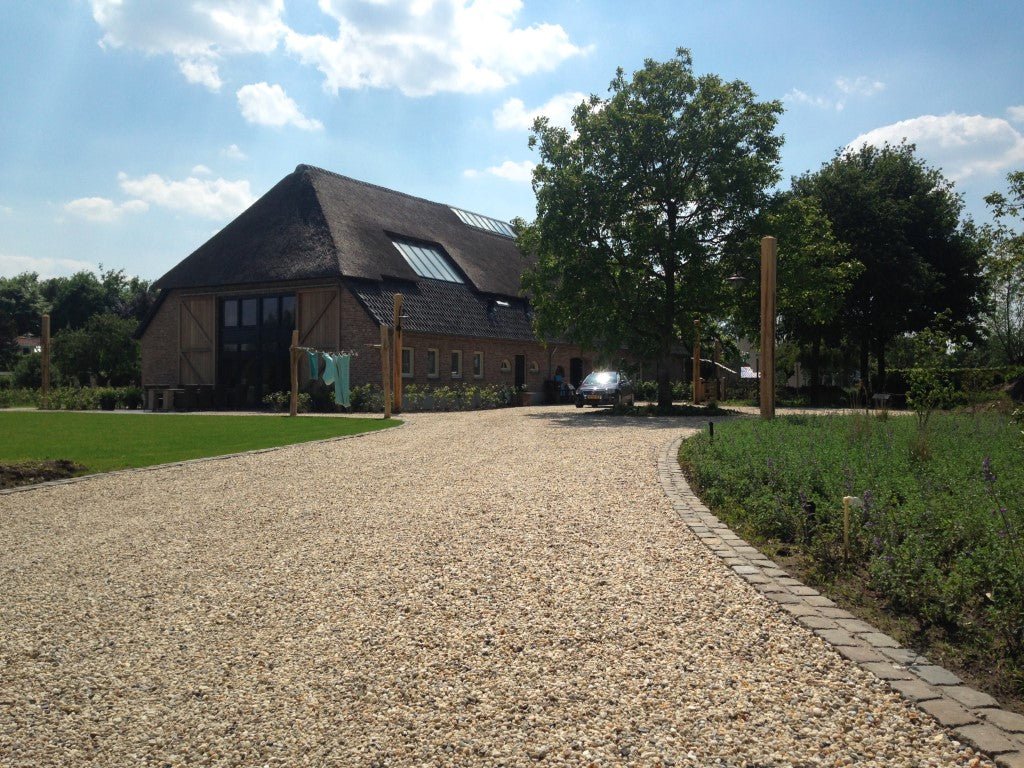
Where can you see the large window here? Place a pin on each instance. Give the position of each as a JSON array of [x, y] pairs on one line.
[[478, 365], [428, 261], [407, 362], [255, 334]]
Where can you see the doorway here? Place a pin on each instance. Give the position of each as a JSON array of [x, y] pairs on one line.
[[520, 379], [576, 372]]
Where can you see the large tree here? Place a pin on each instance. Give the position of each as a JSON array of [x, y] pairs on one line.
[[637, 203], [1005, 267], [902, 221]]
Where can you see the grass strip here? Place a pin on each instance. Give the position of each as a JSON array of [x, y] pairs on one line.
[[103, 441]]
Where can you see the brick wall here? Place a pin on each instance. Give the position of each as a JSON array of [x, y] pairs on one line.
[[159, 345]]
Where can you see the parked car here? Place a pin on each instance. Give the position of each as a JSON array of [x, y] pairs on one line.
[[605, 388]]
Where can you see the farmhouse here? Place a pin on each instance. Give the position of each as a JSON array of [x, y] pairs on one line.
[[325, 254]]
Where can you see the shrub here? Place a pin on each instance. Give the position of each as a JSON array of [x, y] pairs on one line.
[[282, 401]]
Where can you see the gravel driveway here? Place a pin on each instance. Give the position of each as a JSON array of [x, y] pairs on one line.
[[496, 588]]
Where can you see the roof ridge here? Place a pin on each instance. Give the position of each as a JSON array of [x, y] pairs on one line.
[[306, 167], [449, 206]]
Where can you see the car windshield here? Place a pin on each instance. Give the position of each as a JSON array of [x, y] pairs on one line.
[[601, 379]]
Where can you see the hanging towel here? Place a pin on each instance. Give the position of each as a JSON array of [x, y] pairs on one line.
[[341, 390], [314, 364], [330, 372]]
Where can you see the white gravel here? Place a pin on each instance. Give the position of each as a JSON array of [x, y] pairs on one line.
[[495, 588]]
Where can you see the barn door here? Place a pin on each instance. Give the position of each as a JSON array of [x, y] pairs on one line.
[[196, 340], [318, 319]]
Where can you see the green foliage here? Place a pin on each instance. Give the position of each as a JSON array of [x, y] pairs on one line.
[[940, 539], [929, 383], [17, 397], [104, 349], [901, 221], [90, 398], [28, 372], [637, 204], [104, 442], [282, 401], [1004, 265], [458, 397]]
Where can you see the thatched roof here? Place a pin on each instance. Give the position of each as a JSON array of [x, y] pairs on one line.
[[315, 224]]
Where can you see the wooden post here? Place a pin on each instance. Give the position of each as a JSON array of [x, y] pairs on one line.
[[293, 406], [716, 358], [46, 354], [768, 262], [398, 353], [696, 362], [385, 368]]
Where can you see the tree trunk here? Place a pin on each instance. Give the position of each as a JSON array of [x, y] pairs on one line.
[[865, 371], [880, 357], [816, 371]]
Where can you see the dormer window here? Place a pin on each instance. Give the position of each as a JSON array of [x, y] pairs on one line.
[[428, 261]]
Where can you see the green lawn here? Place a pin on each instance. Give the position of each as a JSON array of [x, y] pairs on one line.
[[107, 441]]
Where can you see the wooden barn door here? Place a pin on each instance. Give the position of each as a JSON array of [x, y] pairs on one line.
[[196, 335], [319, 319]]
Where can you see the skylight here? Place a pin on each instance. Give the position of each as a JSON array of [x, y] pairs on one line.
[[485, 223], [427, 261]]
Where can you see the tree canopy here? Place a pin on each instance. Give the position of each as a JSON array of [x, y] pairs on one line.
[[1005, 268], [637, 204], [901, 220]]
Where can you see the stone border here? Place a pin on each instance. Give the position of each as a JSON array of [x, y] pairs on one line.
[[187, 462], [972, 716]]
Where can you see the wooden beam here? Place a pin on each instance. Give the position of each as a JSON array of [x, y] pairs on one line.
[[385, 368], [696, 362], [398, 352], [46, 354], [293, 406], [768, 265]]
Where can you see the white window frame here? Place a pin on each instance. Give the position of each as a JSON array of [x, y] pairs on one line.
[[478, 356], [456, 371], [412, 362]]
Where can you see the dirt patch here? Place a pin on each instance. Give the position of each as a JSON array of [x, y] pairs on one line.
[[31, 472]]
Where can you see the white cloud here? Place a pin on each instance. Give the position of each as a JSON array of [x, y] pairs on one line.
[[202, 72], [422, 48], [210, 198], [508, 170], [11, 265], [6, 210], [265, 104], [859, 86], [417, 46], [962, 145], [232, 152], [513, 114], [1016, 114], [103, 209], [862, 87], [197, 34], [798, 96]]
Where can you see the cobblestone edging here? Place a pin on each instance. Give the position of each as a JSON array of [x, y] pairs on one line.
[[973, 717], [186, 462]]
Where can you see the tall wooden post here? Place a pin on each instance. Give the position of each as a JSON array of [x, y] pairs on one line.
[[717, 357], [46, 354], [398, 353], [293, 406], [385, 368], [696, 362], [768, 263]]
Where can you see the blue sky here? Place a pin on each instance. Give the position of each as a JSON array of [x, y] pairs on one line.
[[132, 130]]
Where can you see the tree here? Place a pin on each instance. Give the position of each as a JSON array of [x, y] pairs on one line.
[[815, 272], [21, 307], [1005, 268], [637, 204], [104, 349], [902, 221]]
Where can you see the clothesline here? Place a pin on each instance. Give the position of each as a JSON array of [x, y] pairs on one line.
[[349, 352]]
